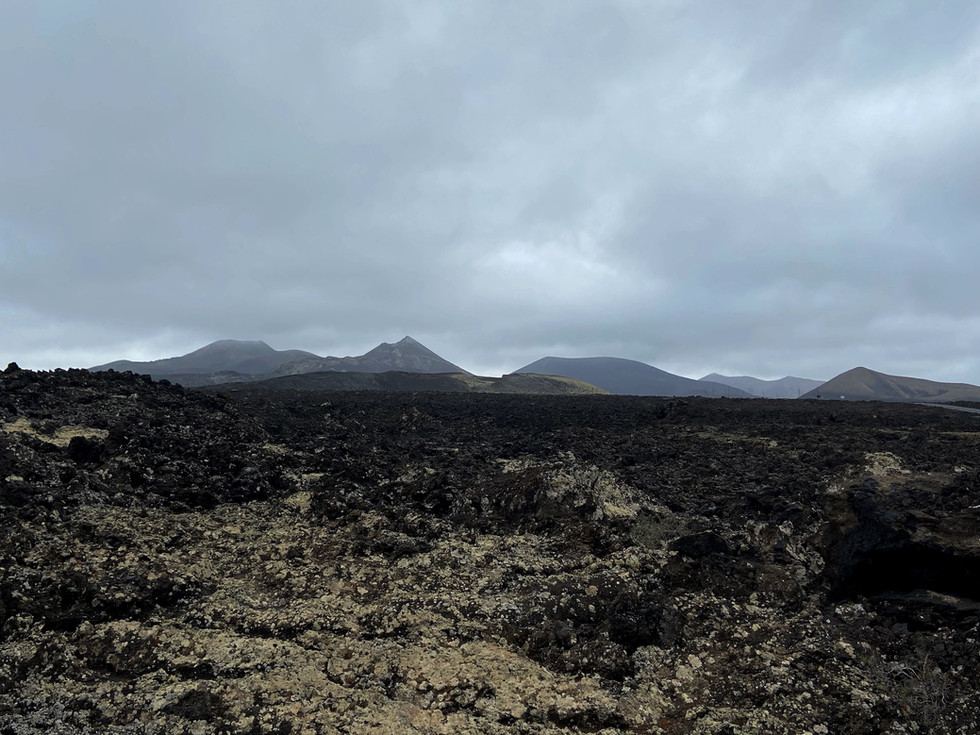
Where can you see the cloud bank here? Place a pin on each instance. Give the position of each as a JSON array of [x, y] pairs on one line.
[[767, 188]]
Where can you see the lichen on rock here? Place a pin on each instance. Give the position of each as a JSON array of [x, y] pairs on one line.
[[393, 563]]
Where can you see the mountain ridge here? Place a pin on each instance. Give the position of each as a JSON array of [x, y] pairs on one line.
[[628, 377], [225, 355], [231, 360], [786, 387], [406, 355]]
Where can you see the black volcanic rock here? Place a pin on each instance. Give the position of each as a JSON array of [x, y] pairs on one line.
[[892, 544], [287, 561], [628, 377]]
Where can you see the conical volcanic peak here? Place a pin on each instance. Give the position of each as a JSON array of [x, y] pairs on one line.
[[863, 384], [234, 346], [407, 355]]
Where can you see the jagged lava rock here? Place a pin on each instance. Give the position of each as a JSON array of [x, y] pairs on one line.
[[304, 562]]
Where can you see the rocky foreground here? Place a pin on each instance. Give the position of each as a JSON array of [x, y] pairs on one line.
[[181, 562]]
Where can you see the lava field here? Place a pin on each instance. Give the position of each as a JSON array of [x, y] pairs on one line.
[[280, 562]]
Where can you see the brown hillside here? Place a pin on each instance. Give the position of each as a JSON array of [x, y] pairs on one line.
[[862, 384], [397, 381]]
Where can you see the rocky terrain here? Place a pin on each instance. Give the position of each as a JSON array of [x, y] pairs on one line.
[[175, 561]]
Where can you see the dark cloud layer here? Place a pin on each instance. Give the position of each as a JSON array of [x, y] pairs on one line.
[[763, 188]]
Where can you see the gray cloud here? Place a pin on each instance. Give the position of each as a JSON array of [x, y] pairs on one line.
[[764, 188]]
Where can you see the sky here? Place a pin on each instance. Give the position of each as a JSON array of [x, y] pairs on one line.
[[762, 187]]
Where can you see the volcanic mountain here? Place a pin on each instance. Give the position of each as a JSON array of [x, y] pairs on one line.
[[226, 355], [788, 387], [862, 384], [230, 361], [407, 355], [628, 377]]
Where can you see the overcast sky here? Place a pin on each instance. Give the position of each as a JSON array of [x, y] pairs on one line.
[[762, 188]]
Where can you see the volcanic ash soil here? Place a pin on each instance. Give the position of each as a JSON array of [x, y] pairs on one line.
[[187, 562]]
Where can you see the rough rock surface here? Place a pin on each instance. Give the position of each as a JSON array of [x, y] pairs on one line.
[[182, 562]]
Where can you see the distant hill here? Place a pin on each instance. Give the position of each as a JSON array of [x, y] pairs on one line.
[[406, 355], [226, 355], [862, 384], [418, 382], [231, 361], [628, 377], [788, 387]]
